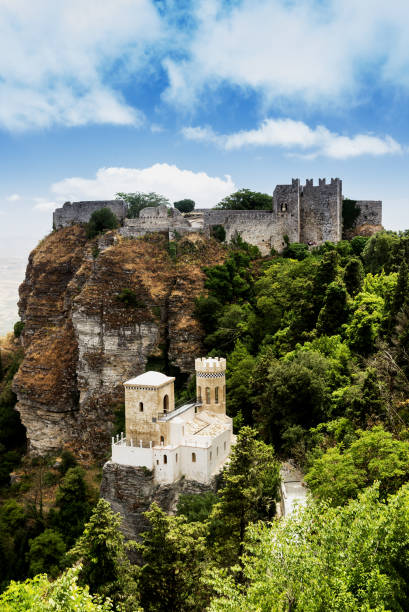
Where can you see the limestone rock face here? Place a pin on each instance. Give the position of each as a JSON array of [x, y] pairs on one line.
[[130, 491], [84, 336]]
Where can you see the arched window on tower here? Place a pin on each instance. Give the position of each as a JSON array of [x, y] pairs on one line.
[[199, 394], [216, 395], [166, 403], [140, 406], [207, 395], [162, 440]]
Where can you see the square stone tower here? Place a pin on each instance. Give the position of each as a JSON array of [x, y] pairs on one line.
[[211, 384], [147, 397]]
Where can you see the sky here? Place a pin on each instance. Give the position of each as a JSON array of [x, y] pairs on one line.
[[195, 99]]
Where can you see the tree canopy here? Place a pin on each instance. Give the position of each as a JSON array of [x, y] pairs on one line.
[[185, 206], [245, 199], [138, 200]]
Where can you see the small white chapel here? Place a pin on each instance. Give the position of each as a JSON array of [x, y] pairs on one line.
[[192, 440]]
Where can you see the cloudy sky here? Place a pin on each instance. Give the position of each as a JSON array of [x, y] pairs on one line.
[[198, 99]]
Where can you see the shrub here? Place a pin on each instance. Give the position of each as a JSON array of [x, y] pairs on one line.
[[129, 298], [100, 221], [18, 328], [219, 233], [185, 206]]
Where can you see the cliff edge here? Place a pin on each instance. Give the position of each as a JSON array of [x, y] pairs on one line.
[[81, 340]]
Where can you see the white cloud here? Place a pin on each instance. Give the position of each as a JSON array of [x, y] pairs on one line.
[[168, 180], [296, 135], [13, 197], [309, 51], [63, 63], [43, 205]]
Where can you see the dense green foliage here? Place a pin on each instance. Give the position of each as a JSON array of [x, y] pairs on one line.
[[138, 200], [12, 432], [185, 206], [245, 199], [351, 558], [317, 348], [100, 221]]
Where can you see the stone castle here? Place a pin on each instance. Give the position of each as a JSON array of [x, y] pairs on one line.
[[192, 440], [311, 214]]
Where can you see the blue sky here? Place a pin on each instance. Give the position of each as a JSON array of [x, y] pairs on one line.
[[198, 99]]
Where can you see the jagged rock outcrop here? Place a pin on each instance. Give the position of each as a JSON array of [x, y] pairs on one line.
[[81, 341], [130, 491]]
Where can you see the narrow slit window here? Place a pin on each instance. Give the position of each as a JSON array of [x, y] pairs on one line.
[[176, 457], [216, 395], [193, 457], [165, 458], [140, 406], [207, 395], [225, 446]]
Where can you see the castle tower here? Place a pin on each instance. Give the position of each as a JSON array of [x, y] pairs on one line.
[[146, 398], [211, 383]]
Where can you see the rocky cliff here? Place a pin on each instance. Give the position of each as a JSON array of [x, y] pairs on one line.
[[131, 491], [82, 341]]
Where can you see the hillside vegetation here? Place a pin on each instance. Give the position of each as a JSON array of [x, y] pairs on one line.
[[317, 348]]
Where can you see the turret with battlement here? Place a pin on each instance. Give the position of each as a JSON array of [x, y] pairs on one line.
[[211, 383], [192, 439], [311, 214]]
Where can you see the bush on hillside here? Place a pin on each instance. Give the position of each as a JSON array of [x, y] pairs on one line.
[[100, 221]]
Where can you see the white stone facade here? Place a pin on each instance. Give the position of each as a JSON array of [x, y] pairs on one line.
[[191, 441]]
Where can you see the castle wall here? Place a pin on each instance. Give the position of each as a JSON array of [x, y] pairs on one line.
[[370, 212], [80, 212], [321, 212]]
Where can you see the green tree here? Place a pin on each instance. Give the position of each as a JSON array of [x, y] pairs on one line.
[[105, 567], [245, 199], [400, 295], [334, 311], [100, 221], [185, 206], [45, 553], [196, 506], [378, 252], [339, 474], [73, 503], [351, 558], [173, 561], [354, 276], [249, 493], [288, 393], [138, 200], [39, 595]]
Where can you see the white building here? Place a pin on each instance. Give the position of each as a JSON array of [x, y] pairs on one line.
[[191, 440]]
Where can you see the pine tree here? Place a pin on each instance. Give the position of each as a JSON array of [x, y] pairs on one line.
[[173, 558], [101, 549], [354, 276], [334, 311], [249, 493]]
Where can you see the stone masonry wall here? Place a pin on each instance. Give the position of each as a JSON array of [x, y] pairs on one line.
[[80, 212], [321, 212], [370, 212]]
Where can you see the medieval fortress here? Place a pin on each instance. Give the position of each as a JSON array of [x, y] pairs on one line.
[[311, 214]]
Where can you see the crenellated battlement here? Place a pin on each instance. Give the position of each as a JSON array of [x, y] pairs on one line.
[[209, 365], [311, 214]]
